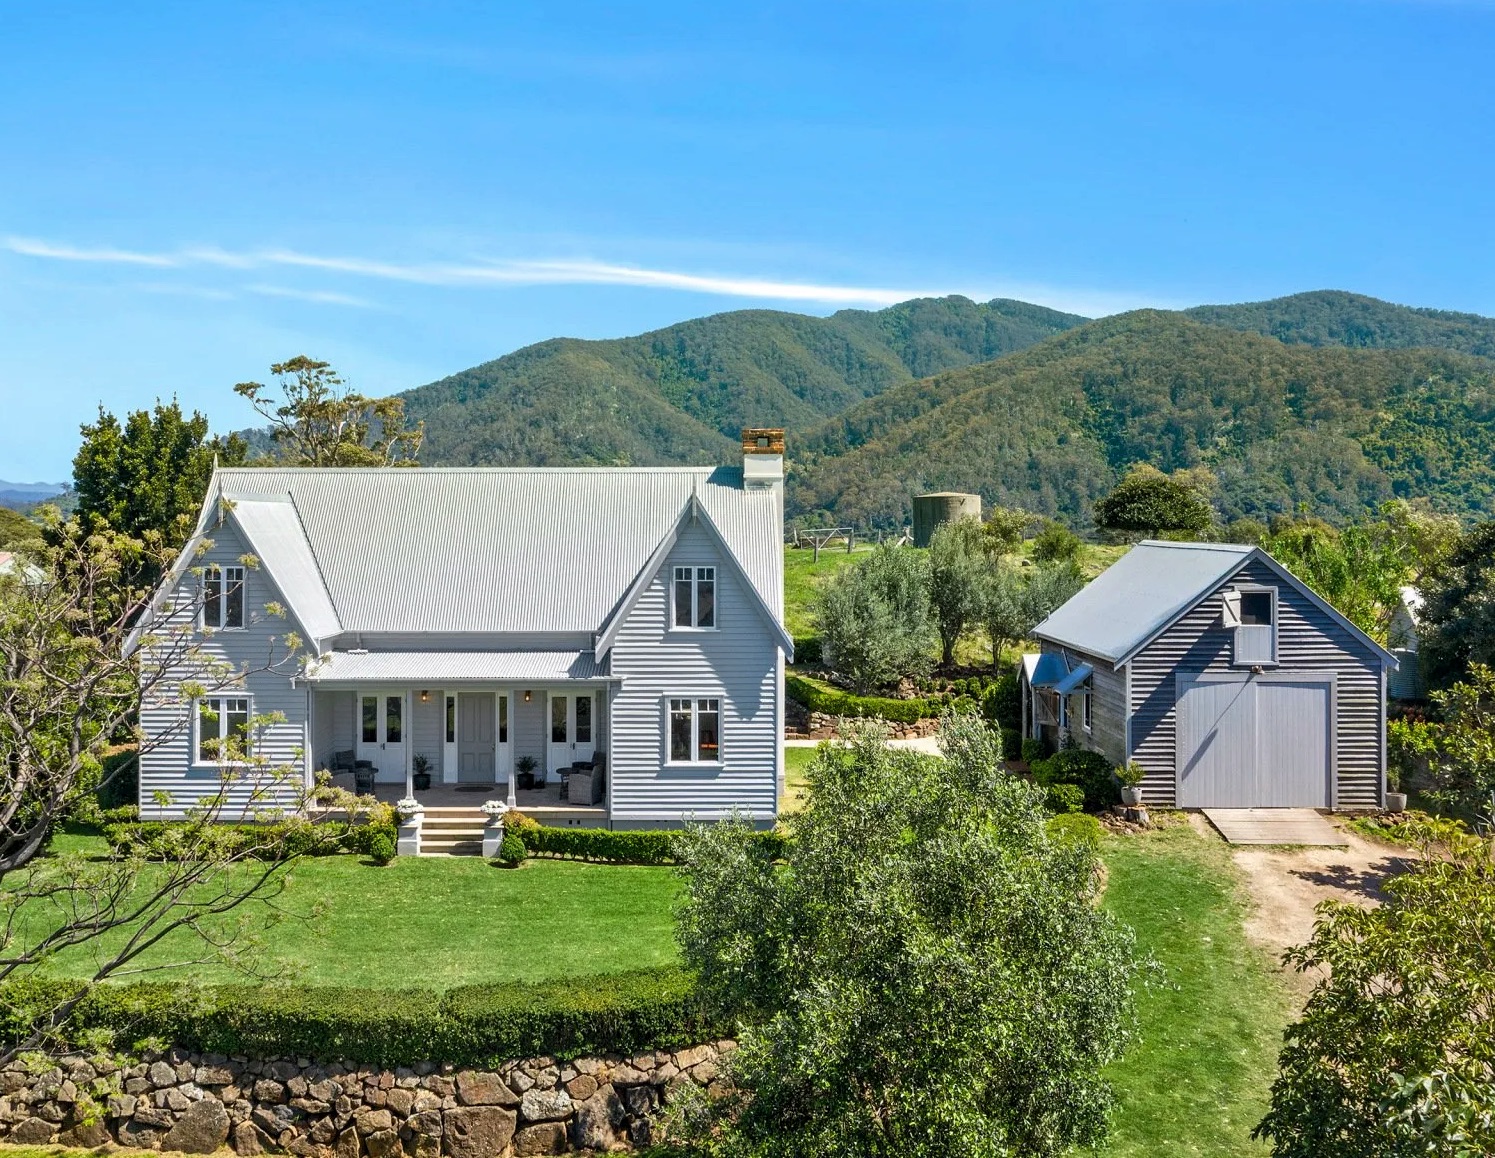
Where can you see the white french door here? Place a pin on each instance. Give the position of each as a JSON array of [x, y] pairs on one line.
[[381, 734], [573, 728]]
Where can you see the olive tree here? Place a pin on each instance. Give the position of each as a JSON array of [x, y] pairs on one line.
[[927, 974], [1395, 1051], [1016, 599], [874, 618], [957, 569]]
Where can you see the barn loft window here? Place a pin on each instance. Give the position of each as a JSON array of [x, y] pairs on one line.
[[223, 598], [1251, 612]]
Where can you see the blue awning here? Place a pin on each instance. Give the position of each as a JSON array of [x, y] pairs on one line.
[[1045, 669], [1073, 680]]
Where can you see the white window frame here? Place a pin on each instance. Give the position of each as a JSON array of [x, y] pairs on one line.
[[693, 705], [219, 698], [1087, 711], [1063, 711], [1235, 641], [695, 574], [224, 578]]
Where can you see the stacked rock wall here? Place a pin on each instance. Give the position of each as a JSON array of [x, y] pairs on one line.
[[199, 1102]]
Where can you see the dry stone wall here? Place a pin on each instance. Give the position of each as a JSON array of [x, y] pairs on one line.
[[198, 1103]]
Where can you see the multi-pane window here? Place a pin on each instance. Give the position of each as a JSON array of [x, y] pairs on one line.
[[222, 728], [223, 597], [695, 597], [695, 731]]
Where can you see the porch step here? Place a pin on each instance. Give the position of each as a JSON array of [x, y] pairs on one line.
[[452, 832]]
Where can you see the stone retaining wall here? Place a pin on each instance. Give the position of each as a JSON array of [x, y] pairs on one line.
[[199, 1102]]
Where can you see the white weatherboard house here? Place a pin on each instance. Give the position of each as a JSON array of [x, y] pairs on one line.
[[492, 624], [1222, 674]]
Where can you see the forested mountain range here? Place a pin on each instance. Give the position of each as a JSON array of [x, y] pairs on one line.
[[1328, 399], [682, 394]]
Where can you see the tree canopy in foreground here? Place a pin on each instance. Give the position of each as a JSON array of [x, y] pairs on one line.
[[1395, 1052], [928, 974]]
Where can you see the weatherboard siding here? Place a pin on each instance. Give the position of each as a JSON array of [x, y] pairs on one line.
[[736, 663], [1107, 705], [1308, 639], [169, 767]]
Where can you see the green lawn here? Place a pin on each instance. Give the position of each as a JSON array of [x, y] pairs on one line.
[[1197, 1082], [436, 922], [803, 577], [796, 760]]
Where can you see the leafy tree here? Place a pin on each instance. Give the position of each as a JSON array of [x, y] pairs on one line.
[[1461, 762], [1150, 501], [874, 620], [72, 685], [1458, 610], [146, 476], [1004, 529], [1395, 1051], [1056, 543], [1017, 598], [319, 423], [17, 532], [928, 975], [957, 569]]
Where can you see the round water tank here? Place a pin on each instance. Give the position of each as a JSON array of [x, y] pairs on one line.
[[931, 511]]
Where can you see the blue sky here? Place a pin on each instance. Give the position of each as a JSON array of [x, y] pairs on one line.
[[189, 194]]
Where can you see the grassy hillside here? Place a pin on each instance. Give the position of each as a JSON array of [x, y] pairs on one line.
[[681, 394], [1050, 428]]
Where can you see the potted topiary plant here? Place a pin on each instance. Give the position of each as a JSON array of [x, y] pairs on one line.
[[526, 767], [1130, 775], [422, 774], [1396, 799]]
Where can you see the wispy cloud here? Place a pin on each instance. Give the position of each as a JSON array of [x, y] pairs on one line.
[[317, 297], [537, 272]]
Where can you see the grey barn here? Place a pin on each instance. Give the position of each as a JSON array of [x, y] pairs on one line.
[[1229, 681]]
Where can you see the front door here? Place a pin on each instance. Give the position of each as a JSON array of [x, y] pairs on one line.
[[381, 734], [573, 728], [475, 750]]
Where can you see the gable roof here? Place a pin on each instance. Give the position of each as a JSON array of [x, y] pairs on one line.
[[495, 550], [275, 535], [1134, 600]]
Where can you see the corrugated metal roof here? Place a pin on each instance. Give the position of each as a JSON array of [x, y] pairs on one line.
[[542, 549], [444, 667], [274, 532], [1138, 595]]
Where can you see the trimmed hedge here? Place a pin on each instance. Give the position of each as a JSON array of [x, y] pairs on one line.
[[819, 697], [165, 839], [471, 1025], [1090, 770], [1076, 828], [604, 846]]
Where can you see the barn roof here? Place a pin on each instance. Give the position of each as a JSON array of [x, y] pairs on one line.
[[1152, 585]]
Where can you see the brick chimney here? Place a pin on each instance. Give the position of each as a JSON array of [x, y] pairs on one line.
[[762, 457]]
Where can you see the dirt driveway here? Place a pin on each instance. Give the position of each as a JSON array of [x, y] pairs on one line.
[[1285, 884]]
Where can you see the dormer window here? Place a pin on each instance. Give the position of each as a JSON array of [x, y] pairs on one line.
[[694, 597], [1252, 613]]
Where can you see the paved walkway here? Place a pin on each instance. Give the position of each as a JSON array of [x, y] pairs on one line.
[[1274, 826]]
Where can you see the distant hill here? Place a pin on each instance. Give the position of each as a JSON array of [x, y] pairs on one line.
[[1336, 318], [20, 496], [1050, 428], [681, 394]]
